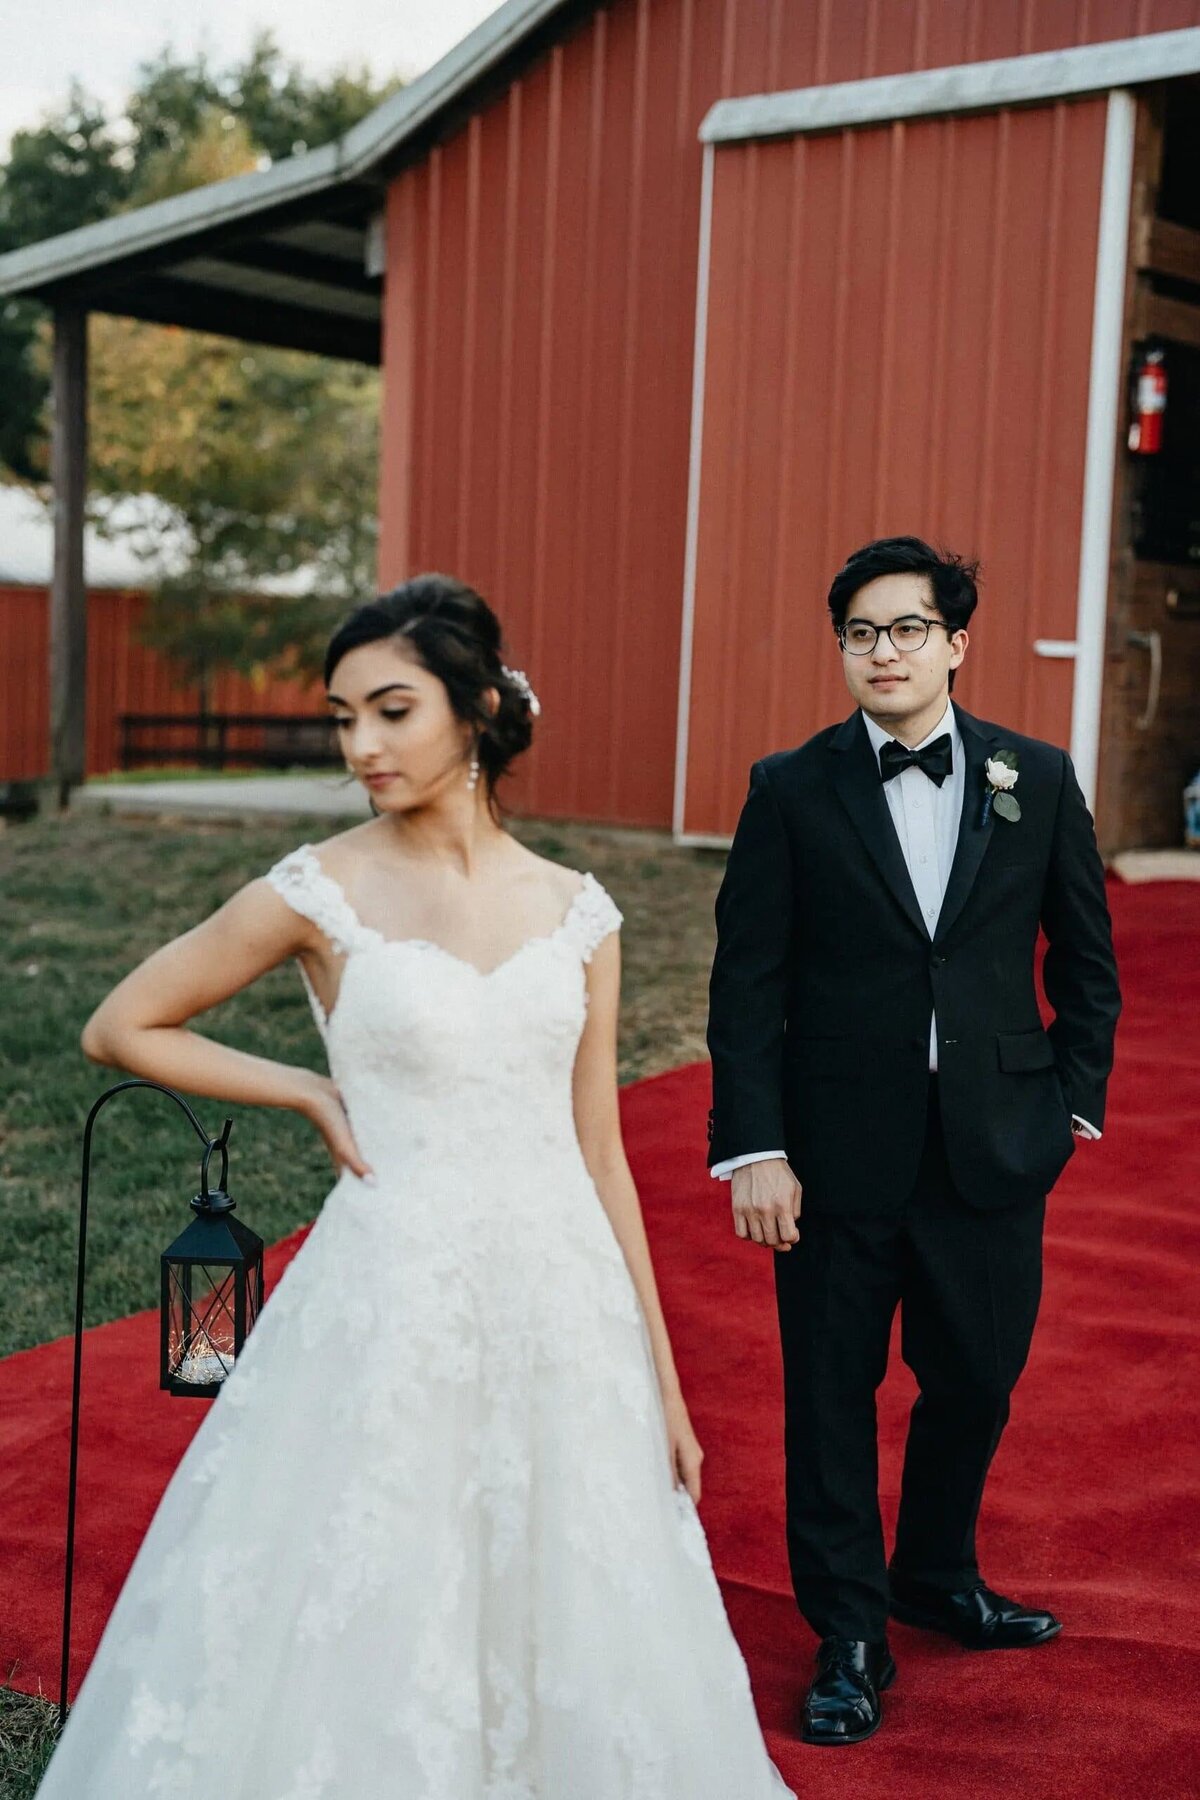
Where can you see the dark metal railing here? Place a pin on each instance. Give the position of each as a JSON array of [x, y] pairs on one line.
[[216, 739]]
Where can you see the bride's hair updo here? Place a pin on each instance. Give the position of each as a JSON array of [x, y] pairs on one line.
[[453, 632]]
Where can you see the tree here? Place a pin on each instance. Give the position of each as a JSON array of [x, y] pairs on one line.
[[265, 458], [83, 164], [63, 174]]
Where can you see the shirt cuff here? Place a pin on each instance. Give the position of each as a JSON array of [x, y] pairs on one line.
[[723, 1171], [1084, 1129]]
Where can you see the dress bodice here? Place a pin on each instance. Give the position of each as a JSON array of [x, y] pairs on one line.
[[423, 1044]]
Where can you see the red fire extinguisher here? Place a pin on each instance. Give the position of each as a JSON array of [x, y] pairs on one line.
[[1149, 403]]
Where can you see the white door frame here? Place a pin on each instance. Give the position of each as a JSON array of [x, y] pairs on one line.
[[968, 87]]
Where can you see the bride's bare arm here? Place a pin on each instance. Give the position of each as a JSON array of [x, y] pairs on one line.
[[598, 1125], [140, 1026]]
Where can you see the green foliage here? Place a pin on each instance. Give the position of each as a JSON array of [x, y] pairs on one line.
[[266, 458], [65, 173], [83, 163]]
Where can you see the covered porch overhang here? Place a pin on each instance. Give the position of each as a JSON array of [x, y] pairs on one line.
[[301, 273], [290, 256]]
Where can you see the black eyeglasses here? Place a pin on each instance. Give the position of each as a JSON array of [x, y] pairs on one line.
[[860, 639]]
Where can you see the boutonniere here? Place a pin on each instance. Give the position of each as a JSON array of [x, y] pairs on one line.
[[1001, 773]]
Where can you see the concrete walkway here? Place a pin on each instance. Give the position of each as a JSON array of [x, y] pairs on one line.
[[230, 796], [235, 797]]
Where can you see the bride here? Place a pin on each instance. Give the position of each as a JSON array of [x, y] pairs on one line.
[[436, 1537]]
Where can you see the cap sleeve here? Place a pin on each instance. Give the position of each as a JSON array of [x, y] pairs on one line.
[[299, 878], [594, 914]]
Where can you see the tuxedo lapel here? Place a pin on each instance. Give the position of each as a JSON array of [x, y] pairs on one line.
[[856, 780], [973, 837]]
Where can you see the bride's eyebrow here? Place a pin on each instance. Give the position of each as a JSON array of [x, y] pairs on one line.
[[336, 699]]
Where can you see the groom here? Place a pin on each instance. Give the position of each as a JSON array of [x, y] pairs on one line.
[[891, 1112]]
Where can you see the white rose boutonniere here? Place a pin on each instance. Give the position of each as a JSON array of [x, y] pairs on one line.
[[1001, 773]]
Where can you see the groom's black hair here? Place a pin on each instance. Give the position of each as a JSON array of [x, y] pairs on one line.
[[952, 578]]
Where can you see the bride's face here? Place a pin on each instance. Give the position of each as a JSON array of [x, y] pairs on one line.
[[396, 728]]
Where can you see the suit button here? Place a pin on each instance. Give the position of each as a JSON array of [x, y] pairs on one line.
[[939, 959]]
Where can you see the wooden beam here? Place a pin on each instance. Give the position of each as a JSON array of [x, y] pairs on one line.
[[158, 298], [307, 265], [68, 598], [1176, 320], [1169, 249]]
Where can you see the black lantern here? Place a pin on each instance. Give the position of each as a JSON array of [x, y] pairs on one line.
[[212, 1293], [212, 1290]]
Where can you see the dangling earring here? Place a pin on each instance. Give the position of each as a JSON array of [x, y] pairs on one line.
[[473, 777]]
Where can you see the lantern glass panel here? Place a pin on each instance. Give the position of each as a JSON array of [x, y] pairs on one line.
[[202, 1336]]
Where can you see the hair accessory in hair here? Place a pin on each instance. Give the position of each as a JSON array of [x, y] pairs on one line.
[[520, 681]]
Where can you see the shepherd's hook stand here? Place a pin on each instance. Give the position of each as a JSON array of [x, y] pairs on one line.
[[210, 1144]]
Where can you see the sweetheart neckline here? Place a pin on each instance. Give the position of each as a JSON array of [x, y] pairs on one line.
[[374, 937], [408, 943]]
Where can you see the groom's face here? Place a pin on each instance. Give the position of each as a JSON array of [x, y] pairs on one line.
[[893, 684]]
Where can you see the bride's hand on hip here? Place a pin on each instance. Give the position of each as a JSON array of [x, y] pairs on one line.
[[766, 1203], [323, 1106], [686, 1454]]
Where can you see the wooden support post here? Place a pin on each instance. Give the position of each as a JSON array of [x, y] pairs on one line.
[[68, 598]]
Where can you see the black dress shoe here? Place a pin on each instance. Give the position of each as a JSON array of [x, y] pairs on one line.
[[842, 1706], [977, 1617]]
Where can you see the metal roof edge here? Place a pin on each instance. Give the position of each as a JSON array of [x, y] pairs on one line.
[[124, 234], [416, 104], [346, 159], [959, 87]]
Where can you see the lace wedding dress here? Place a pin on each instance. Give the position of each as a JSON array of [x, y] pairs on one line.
[[426, 1544]]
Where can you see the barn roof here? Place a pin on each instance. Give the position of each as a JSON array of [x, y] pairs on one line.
[[291, 254]]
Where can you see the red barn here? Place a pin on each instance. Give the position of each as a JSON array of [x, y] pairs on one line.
[[678, 301]]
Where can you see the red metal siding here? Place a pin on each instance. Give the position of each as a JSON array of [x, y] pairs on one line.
[[898, 340], [24, 683], [538, 344]]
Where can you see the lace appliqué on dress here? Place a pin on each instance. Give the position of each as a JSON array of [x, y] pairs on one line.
[[303, 883], [593, 914], [427, 1541]]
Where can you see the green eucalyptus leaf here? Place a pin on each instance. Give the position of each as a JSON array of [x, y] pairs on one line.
[[1007, 807], [1007, 757]]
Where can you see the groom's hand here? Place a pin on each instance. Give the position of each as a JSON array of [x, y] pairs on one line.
[[766, 1203]]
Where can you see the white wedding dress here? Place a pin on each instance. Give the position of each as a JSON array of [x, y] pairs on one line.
[[426, 1543]]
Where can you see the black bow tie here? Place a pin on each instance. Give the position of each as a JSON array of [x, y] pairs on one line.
[[935, 759]]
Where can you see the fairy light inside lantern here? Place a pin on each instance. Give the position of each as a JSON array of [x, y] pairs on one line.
[[212, 1290]]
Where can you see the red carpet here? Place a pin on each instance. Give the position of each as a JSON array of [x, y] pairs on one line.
[[1091, 1508]]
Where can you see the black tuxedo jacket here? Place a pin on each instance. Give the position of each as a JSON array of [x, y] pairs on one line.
[[825, 975]]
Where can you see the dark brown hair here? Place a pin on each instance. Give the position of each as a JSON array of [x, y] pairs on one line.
[[455, 635]]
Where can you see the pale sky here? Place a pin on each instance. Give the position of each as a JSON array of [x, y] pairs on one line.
[[101, 45]]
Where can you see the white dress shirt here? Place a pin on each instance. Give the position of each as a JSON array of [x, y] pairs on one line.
[[926, 818]]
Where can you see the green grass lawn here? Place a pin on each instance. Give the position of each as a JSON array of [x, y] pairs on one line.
[[86, 898], [83, 900]]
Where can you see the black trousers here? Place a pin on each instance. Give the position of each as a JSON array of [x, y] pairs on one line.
[[968, 1284]]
